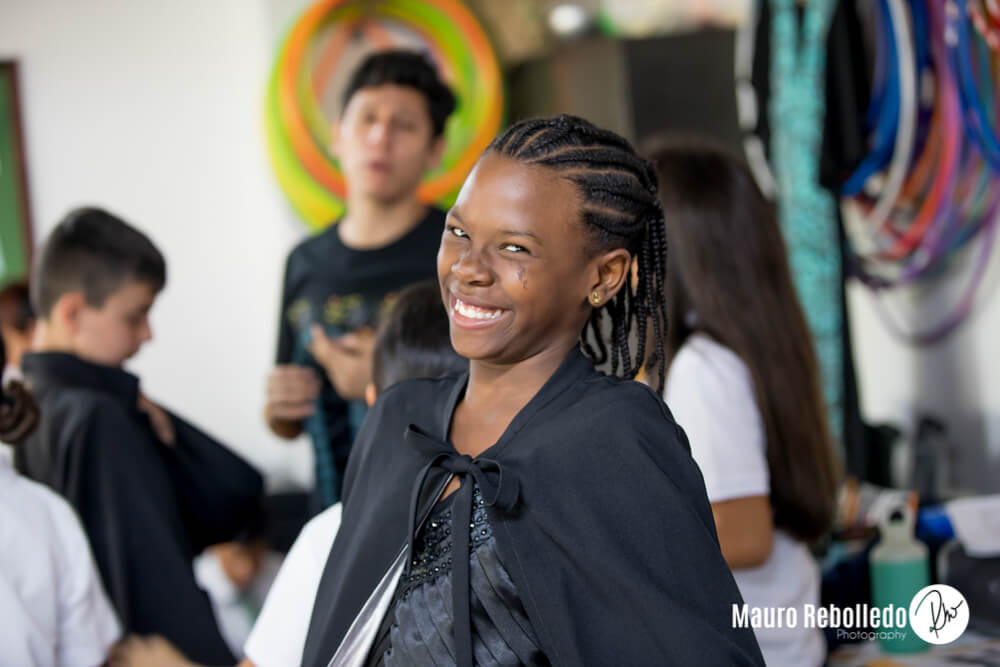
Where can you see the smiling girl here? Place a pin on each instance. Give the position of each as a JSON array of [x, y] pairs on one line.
[[534, 510]]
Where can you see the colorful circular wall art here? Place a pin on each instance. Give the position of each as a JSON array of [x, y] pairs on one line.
[[326, 42]]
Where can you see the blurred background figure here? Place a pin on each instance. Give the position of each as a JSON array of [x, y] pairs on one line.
[[743, 382], [237, 576], [388, 135]]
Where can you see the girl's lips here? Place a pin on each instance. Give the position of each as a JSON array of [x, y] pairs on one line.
[[469, 315]]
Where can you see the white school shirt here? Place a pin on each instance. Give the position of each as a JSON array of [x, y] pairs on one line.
[[54, 609], [279, 635], [235, 611], [711, 395]]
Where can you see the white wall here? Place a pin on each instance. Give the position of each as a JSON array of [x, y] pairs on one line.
[[956, 380], [154, 110]]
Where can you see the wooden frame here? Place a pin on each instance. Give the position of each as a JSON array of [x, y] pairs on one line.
[[15, 209]]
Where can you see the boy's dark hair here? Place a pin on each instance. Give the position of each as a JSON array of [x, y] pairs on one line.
[[93, 252], [620, 210], [413, 340], [404, 68], [15, 307]]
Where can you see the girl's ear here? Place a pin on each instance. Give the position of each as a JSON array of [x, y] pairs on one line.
[[613, 269]]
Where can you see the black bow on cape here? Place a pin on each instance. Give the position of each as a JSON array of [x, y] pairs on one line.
[[498, 491]]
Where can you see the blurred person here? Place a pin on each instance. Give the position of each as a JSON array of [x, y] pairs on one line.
[[55, 612], [743, 382], [237, 576], [17, 326], [152, 491], [389, 134], [412, 341]]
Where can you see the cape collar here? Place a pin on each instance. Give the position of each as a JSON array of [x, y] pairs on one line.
[[574, 368], [54, 370]]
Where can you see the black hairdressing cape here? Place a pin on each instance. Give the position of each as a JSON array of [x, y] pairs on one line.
[[611, 541], [147, 508]]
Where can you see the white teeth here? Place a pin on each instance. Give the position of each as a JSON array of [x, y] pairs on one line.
[[474, 312]]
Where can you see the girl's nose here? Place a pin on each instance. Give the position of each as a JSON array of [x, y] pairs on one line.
[[471, 269]]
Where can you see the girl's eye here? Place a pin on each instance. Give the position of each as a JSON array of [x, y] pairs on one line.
[[457, 232], [513, 247]]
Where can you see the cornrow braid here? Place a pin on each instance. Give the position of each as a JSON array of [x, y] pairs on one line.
[[621, 209]]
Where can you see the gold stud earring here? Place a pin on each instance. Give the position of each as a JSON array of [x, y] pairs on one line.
[[595, 297]]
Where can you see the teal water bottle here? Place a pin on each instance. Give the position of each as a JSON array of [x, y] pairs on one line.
[[899, 568]]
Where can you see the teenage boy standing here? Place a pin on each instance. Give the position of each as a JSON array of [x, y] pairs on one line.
[[390, 133]]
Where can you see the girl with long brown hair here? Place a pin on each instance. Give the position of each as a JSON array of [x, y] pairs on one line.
[[743, 382]]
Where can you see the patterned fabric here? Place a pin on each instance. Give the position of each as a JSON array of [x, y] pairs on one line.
[[419, 626], [807, 212]]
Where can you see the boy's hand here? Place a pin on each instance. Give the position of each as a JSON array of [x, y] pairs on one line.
[[159, 419], [291, 393], [152, 651], [347, 360]]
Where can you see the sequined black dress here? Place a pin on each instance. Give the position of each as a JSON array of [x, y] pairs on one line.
[[417, 629]]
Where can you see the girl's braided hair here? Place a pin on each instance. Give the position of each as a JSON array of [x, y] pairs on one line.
[[621, 210]]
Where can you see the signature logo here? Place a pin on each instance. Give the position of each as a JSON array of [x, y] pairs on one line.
[[939, 614]]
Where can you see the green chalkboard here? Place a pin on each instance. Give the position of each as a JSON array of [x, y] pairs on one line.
[[15, 223]]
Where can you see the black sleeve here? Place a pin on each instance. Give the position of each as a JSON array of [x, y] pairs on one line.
[[286, 334], [219, 493], [140, 552], [622, 536]]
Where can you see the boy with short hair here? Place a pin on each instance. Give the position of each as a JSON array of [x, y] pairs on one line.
[[389, 134], [151, 490]]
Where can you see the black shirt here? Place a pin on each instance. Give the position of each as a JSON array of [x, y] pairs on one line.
[[343, 289], [148, 508]]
